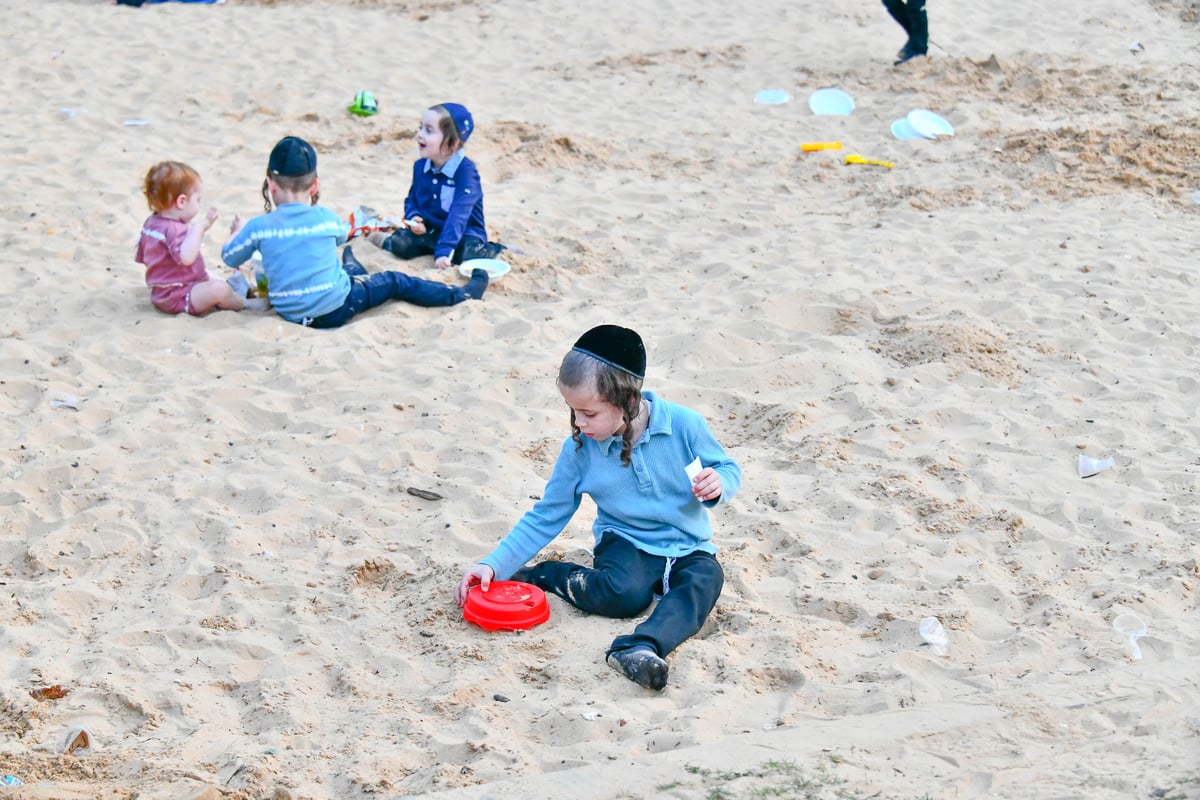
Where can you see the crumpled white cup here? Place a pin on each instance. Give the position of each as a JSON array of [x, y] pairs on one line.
[[935, 635], [1089, 466], [76, 739]]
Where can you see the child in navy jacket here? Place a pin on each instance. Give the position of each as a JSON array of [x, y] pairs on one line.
[[443, 212]]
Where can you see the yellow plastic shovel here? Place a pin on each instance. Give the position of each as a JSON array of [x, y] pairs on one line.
[[874, 162]]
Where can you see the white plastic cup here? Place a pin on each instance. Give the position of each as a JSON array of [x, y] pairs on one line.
[[934, 635], [1089, 466], [1132, 627], [76, 739]]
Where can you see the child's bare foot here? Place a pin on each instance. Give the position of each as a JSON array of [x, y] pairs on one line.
[[377, 238], [642, 666]]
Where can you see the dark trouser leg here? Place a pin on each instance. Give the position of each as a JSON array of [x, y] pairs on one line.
[[899, 13], [340, 316], [620, 585], [384, 286], [404, 244], [472, 247], [370, 291], [695, 584], [918, 27]]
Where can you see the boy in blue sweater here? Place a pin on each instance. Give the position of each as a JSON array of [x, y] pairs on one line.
[[653, 469], [298, 241], [443, 212]]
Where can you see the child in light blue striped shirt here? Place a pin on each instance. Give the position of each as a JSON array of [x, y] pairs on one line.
[[298, 241]]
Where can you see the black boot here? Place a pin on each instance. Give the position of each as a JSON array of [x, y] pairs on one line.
[[352, 265], [477, 285]]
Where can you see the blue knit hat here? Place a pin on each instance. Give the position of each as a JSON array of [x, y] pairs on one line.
[[463, 122]]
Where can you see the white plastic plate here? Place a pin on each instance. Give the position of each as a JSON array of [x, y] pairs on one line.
[[772, 97], [903, 129], [495, 267], [830, 101], [929, 124]]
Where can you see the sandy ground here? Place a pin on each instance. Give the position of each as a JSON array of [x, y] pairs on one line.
[[216, 556]]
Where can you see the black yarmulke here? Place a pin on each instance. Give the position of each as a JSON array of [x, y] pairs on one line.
[[616, 346]]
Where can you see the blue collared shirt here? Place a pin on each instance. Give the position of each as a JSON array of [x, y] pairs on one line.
[[649, 503], [450, 200]]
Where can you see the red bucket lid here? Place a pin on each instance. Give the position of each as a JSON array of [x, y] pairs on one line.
[[506, 606]]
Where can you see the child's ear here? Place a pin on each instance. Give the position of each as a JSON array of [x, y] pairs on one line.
[[315, 189], [180, 201]]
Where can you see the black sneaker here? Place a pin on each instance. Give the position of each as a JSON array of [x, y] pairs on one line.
[[905, 55], [477, 285], [642, 666]]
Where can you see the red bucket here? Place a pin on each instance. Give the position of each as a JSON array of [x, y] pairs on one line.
[[506, 606]]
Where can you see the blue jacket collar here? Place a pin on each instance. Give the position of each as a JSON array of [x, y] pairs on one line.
[[450, 167]]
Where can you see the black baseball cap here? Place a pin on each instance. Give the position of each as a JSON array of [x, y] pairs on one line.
[[292, 157]]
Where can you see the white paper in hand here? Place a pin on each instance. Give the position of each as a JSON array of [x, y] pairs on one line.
[[693, 469]]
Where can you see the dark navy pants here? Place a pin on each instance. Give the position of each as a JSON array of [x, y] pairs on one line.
[[369, 290], [405, 244], [622, 584], [911, 16]]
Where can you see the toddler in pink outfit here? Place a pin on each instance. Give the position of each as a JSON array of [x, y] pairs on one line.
[[170, 247]]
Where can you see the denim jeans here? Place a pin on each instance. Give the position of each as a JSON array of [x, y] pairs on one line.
[[623, 583], [368, 291], [405, 244]]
